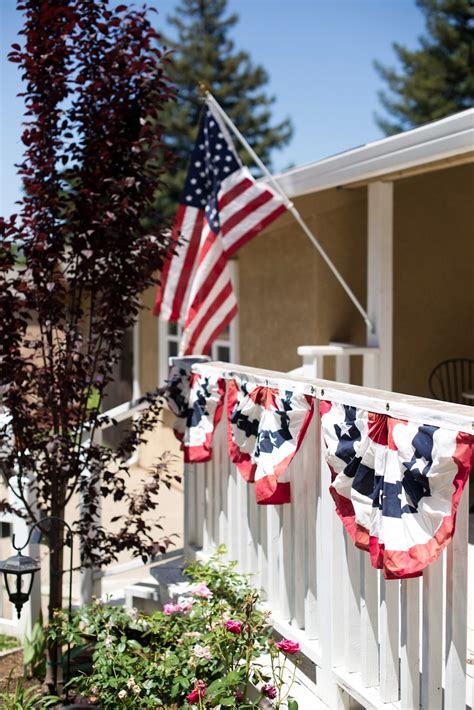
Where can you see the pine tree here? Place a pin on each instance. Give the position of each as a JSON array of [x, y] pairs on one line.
[[436, 80], [204, 52]]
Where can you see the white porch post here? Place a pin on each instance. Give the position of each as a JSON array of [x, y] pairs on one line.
[[378, 373]]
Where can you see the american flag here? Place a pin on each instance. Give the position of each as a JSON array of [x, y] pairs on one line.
[[222, 208]]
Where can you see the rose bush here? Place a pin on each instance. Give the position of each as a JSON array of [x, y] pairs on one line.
[[204, 650]]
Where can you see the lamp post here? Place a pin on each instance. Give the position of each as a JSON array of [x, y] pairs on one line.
[[19, 571]]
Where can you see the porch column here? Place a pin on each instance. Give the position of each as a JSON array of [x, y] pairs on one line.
[[378, 373]]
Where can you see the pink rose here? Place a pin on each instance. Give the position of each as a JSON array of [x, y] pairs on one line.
[[288, 646], [198, 692], [171, 608], [202, 590], [235, 627]]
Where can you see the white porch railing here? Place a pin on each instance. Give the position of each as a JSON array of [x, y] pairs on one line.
[[387, 644], [315, 356]]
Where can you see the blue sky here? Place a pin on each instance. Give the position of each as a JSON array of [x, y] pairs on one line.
[[318, 54]]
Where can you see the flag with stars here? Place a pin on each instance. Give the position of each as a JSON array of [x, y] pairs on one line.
[[396, 484], [221, 209]]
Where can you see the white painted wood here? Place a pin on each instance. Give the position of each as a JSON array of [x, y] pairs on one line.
[[263, 551], [389, 636], [189, 508], [208, 539], [243, 523], [254, 537], [369, 624], [410, 590], [222, 464], [268, 540], [457, 609], [298, 505], [329, 569], [350, 583], [380, 277], [273, 563], [451, 416], [200, 475], [233, 513], [285, 555], [343, 368], [432, 646], [420, 146], [311, 481]]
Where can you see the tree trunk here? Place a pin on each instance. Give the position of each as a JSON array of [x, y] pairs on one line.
[[56, 571]]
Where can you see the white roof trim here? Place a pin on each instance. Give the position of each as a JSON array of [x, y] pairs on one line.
[[435, 141]]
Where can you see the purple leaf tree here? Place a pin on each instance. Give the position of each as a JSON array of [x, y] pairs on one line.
[[73, 264]]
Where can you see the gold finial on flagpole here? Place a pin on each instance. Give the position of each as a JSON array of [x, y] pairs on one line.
[[203, 89]]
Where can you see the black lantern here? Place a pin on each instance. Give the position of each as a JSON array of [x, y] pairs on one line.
[[19, 572]]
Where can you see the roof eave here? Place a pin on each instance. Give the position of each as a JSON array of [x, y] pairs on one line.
[[434, 142]]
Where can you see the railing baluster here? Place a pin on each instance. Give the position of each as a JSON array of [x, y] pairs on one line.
[[369, 617], [222, 473], [351, 604], [410, 643], [234, 512], [329, 567], [189, 504], [286, 563], [389, 640], [263, 551], [273, 561], [311, 480], [431, 678], [456, 609], [200, 483], [253, 537], [299, 542]]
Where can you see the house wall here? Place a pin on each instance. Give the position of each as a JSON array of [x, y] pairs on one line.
[[287, 294], [434, 270]]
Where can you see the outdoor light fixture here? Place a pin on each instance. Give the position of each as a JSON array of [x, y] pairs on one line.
[[19, 572]]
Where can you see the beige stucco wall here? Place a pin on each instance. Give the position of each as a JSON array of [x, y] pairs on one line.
[[434, 274], [288, 296]]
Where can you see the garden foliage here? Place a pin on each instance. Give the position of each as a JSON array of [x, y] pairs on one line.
[[211, 648]]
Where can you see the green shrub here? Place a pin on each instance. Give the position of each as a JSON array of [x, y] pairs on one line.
[[205, 650]]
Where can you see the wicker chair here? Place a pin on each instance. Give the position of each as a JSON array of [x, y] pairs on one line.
[[451, 379]]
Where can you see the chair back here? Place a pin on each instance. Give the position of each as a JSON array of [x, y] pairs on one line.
[[451, 380]]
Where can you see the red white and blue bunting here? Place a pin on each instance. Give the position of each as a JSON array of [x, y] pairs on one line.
[[396, 484], [266, 426], [197, 399]]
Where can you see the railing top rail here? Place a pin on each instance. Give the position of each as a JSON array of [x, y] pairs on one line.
[[336, 349], [403, 406]]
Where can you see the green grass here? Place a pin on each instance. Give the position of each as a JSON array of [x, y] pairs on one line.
[[7, 642]]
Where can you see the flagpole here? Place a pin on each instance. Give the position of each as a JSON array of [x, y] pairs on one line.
[[290, 207]]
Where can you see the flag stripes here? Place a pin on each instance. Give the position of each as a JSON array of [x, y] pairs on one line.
[[222, 208]]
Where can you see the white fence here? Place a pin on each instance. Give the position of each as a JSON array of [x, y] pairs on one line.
[[387, 644]]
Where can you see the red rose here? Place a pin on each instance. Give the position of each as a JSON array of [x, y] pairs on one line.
[[198, 692], [288, 646], [269, 691], [235, 627]]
